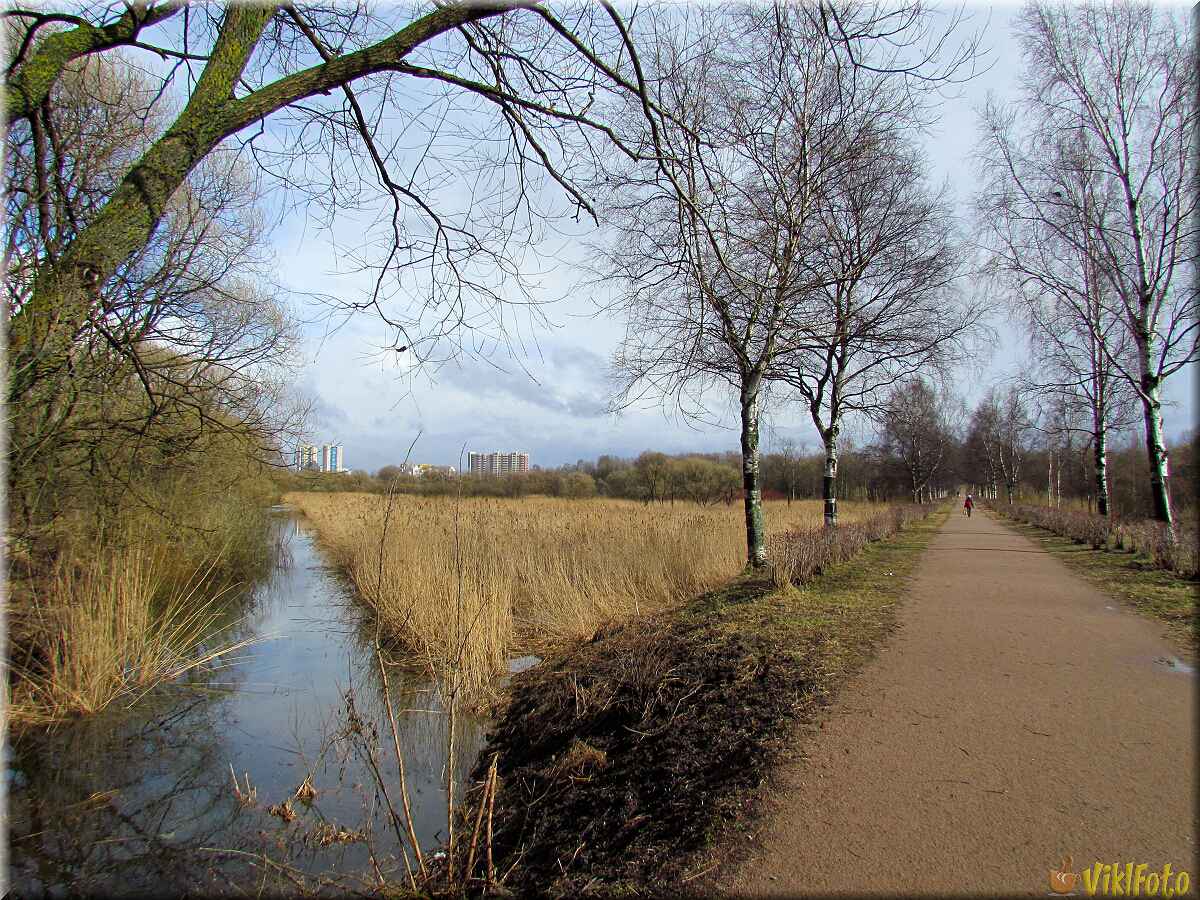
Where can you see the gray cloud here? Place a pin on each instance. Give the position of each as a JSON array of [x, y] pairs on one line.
[[565, 380]]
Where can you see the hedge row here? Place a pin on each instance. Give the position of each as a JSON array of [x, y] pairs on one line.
[[1153, 539], [805, 553]]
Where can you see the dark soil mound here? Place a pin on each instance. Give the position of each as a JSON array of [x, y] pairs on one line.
[[620, 760]]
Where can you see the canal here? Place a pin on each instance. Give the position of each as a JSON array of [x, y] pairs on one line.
[[143, 800]]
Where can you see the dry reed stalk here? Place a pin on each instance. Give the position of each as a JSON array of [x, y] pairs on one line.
[[387, 692], [108, 634], [404, 800], [470, 866], [495, 776], [489, 786], [370, 751]]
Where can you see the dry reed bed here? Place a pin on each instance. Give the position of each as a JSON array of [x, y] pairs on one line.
[[467, 582], [108, 628]]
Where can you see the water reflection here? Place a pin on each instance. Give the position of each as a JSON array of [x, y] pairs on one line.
[[143, 801]]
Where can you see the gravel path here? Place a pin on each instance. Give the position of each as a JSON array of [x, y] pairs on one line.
[[1017, 716]]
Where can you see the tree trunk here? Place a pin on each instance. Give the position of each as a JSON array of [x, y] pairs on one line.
[[756, 549], [1050, 478], [1156, 450], [829, 483], [1100, 448], [65, 291]]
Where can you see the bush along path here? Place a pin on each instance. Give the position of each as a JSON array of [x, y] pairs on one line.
[[1151, 540], [1135, 561], [1016, 718], [623, 761]]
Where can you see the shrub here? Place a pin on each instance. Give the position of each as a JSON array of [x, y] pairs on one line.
[[801, 554], [1176, 553]]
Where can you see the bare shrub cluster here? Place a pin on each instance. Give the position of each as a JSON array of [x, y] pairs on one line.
[[1173, 553], [801, 554]]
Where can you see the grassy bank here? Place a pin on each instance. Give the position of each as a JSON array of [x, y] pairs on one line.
[[623, 762], [484, 579], [1131, 577]]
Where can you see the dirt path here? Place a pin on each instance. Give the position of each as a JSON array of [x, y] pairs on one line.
[[1015, 717]]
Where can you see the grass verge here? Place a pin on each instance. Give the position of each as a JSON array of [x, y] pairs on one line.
[[1132, 578], [624, 762]]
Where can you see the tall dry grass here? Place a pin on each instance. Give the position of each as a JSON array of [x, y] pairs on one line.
[[478, 579], [109, 627]]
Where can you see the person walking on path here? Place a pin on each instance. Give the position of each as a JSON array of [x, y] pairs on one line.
[[968, 505]]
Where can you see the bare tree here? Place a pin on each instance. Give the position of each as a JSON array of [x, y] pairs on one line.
[[916, 432], [711, 234], [1003, 425], [185, 340], [789, 455], [980, 464], [329, 78], [1091, 164], [760, 111], [883, 266], [1075, 329]]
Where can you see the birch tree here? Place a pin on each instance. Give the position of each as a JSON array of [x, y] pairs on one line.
[[884, 303], [759, 111], [979, 458], [710, 238], [1003, 424], [1095, 155], [1052, 276], [916, 432]]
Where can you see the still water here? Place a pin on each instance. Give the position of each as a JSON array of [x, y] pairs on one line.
[[143, 800]]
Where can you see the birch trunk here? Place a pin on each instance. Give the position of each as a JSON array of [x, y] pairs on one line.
[[829, 484], [1156, 450], [1050, 478], [1100, 449], [756, 550]]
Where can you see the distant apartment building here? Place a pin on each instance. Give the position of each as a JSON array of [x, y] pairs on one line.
[[418, 470], [497, 463], [306, 458], [326, 458]]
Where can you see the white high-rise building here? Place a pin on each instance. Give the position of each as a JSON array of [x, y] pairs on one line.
[[497, 463], [306, 458], [327, 458]]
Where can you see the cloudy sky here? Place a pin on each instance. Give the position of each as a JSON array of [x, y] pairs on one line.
[[548, 393]]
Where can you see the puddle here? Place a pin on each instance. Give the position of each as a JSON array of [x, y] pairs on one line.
[[1175, 664], [521, 663]]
